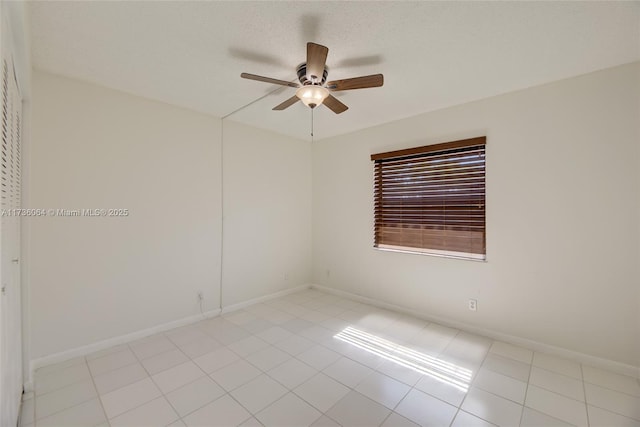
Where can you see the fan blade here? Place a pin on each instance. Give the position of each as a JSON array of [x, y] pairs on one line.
[[286, 104], [268, 80], [316, 59], [335, 105], [374, 80]]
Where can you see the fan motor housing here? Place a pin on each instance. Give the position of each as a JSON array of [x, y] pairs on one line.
[[302, 75]]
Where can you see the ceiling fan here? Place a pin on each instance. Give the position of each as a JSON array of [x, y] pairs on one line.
[[314, 89]]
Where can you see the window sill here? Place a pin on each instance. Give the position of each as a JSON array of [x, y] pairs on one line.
[[433, 254]]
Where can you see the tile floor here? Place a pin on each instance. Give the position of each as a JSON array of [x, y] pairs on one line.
[[312, 358]]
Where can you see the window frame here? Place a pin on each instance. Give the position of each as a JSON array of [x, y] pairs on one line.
[[445, 231]]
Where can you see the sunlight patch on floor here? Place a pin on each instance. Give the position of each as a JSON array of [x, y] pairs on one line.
[[441, 370]]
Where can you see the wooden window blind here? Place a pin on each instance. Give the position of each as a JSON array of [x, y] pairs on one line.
[[431, 199]]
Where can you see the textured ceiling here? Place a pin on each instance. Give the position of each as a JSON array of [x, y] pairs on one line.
[[432, 54]]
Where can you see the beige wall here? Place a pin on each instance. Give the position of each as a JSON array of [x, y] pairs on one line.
[[562, 214], [267, 213], [93, 279], [97, 278]]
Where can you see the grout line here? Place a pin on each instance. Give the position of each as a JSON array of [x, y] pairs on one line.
[[87, 399], [222, 204], [471, 382], [526, 390], [139, 361], [95, 387], [584, 390]]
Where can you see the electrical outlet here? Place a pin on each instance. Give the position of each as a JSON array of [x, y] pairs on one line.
[[473, 304], [200, 295]]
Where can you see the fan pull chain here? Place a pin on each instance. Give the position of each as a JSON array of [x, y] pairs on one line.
[[312, 125]]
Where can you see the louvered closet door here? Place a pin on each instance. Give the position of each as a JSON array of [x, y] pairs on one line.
[[10, 201]]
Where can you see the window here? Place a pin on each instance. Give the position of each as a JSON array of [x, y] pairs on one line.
[[432, 199]]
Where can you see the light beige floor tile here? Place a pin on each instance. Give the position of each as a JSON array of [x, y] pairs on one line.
[[613, 401], [251, 422], [59, 378], [395, 420], [558, 365], [469, 347], [400, 372], [89, 413], [506, 366], [27, 411], [322, 392], [236, 374], [197, 348], [216, 359], [229, 334], [64, 398], [129, 397], [292, 373], [257, 325], [557, 383], [357, 410], [296, 325], [294, 345], [348, 372], [258, 393], [48, 369], [111, 362], [107, 351], [240, 317], [611, 380], [163, 361], [186, 334], [383, 389], [119, 378], [533, 418], [268, 358], [512, 352], [425, 410], [150, 346], [492, 408], [289, 410], [221, 412], [465, 419], [599, 417], [452, 393], [561, 407], [501, 385], [316, 334], [194, 395], [274, 334], [158, 412], [177, 376], [325, 421], [248, 345], [318, 357]]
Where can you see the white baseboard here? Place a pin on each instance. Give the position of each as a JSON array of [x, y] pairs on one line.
[[243, 304], [614, 366], [110, 342], [122, 339], [611, 365]]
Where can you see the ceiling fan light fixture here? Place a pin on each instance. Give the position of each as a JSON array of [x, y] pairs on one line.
[[312, 95]]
